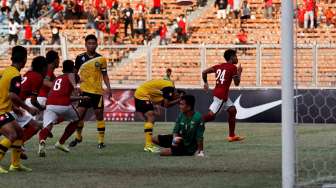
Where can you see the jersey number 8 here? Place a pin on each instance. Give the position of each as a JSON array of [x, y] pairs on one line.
[[57, 85]]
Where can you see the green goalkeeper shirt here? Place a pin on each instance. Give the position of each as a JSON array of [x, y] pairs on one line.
[[190, 129]]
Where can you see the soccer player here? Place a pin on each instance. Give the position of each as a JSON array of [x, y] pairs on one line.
[[187, 137], [151, 93], [59, 105], [10, 83], [53, 63], [30, 86], [225, 73], [92, 68]]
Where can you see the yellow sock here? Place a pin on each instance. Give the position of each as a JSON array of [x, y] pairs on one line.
[[16, 151], [79, 130], [5, 143], [148, 133], [101, 131]]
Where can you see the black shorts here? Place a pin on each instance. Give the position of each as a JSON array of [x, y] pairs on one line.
[[143, 105], [96, 101], [6, 118], [166, 142]]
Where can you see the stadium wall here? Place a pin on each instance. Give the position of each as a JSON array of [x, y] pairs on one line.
[[253, 105]]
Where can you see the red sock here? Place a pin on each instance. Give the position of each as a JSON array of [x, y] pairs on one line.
[[43, 135], [208, 117], [232, 120], [28, 132], [68, 131]]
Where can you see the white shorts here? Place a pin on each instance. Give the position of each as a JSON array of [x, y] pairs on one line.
[[52, 112], [42, 101], [218, 104], [24, 119]]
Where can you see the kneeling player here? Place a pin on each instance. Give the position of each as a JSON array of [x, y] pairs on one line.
[[187, 137], [59, 105], [154, 92], [225, 73]]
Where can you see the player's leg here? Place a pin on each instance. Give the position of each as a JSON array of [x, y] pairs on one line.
[[231, 111], [79, 126], [31, 129], [70, 114], [49, 119], [148, 129], [214, 108], [98, 105]]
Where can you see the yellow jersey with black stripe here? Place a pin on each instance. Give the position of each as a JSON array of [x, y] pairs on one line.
[[10, 81], [91, 75], [155, 91]]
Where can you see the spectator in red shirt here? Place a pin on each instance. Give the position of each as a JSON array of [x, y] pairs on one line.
[[309, 15], [140, 7], [300, 15], [163, 32], [79, 8], [330, 15], [114, 26], [57, 8], [181, 29], [242, 37], [156, 7], [28, 33], [268, 9]]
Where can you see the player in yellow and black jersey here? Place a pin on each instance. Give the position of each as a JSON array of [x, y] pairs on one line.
[[10, 83], [150, 93], [92, 70]]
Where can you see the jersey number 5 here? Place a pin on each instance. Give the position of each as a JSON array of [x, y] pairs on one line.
[[57, 85], [220, 74]]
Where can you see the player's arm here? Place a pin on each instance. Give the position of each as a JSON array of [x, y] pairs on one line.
[[205, 77], [47, 81], [236, 78], [36, 86], [171, 97], [33, 100], [14, 91], [107, 83]]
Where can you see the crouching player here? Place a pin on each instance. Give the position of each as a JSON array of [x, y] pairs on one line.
[[59, 105], [187, 137]]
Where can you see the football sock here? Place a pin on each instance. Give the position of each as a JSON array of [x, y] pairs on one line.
[[101, 131], [79, 130], [148, 133], [16, 151], [28, 132], [208, 117], [5, 143], [43, 135], [232, 120], [68, 131]]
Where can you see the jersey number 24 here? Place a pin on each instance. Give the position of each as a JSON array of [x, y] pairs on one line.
[[220, 74]]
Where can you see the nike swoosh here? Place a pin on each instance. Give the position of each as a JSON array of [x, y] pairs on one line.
[[244, 113]]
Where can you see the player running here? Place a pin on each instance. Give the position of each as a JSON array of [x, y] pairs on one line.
[[59, 105], [10, 84], [150, 93], [225, 73], [92, 69]]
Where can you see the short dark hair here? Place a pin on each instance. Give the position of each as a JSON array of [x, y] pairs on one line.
[[68, 66], [51, 56], [168, 70], [91, 37], [229, 53], [19, 54], [39, 64], [190, 100]]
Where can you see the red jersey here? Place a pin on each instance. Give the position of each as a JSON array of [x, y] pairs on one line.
[[224, 75], [60, 92], [44, 89], [30, 84]]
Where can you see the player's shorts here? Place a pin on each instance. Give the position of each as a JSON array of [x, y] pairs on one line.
[[218, 104], [166, 142], [143, 105], [96, 101], [6, 118], [24, 119], [52, 112], [42, 101]]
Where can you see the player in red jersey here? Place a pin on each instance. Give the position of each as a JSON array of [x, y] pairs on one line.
[[59, 104], [30, 86], [225, 73], [53, 63]]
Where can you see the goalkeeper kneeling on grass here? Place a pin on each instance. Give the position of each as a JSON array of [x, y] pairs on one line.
[[187, 137]]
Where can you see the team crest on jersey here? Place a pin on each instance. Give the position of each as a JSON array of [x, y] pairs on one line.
[[18, 84], [2, 118], [83, 58], [97, 64]]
